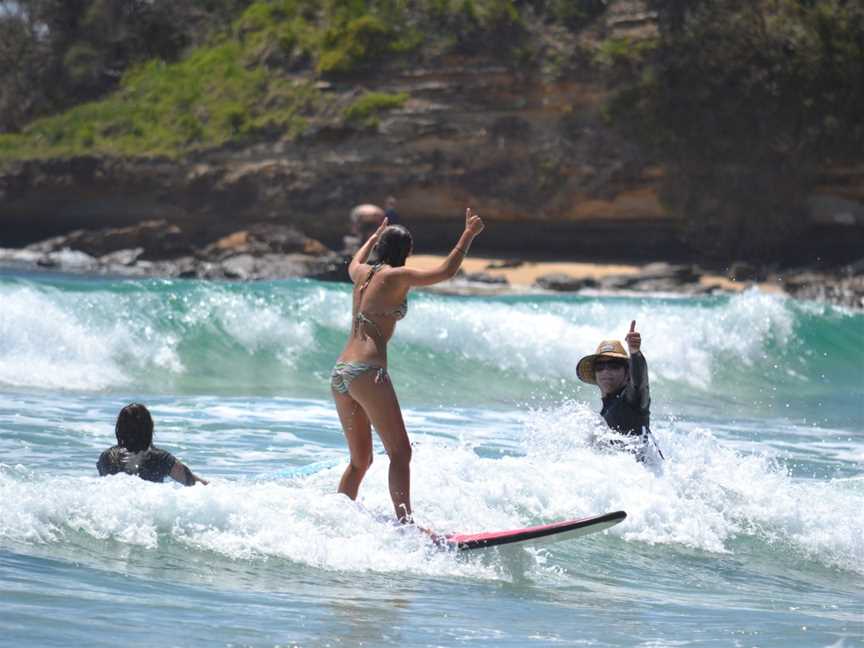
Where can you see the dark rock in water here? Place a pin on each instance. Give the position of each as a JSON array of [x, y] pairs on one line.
[[841, 290], [485, 277], [274, 266], [655, 277], [661, 285], [619, 282], [666, 271], [68, 260], [740, 271], [561, 282], [242, 266], [285, 239], [19, 257], [157, 248], [185, 267], [265, 238], [122, 257], [710, 289], [157, 238]]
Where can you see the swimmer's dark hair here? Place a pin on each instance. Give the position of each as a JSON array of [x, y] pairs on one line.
[[134, 428], [393, 246]]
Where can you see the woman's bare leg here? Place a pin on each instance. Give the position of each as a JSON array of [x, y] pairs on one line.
[[379, 401], [358, 433]]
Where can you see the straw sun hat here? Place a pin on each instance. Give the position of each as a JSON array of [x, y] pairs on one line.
[[611, 349]]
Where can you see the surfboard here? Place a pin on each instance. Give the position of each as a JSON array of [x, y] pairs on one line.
[[555, 532]]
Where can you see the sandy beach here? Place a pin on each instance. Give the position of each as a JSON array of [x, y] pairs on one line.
[[525, 274]]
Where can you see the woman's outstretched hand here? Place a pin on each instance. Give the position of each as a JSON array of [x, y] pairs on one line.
[[473, 223], [380, 229]]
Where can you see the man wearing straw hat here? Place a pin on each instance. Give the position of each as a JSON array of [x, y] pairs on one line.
[[623, 383]]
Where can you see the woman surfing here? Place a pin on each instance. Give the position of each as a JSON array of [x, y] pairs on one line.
[[361, 387]]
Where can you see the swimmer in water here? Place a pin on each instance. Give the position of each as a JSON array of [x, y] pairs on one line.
[[135, 453]]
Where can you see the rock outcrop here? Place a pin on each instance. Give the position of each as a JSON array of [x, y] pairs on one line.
[[531, 152], [266, 251]]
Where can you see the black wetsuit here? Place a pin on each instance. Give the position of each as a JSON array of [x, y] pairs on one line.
[[153, 464], [627, 411]]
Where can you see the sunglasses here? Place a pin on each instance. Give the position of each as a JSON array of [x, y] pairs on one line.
[[609, 366]]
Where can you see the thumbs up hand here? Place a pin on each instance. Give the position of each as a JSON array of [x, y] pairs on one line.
[[633, 339]]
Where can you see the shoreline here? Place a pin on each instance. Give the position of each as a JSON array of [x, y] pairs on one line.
[[525, 274], [480, 276]]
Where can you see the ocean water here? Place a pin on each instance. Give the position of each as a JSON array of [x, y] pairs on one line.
[[752, 534]]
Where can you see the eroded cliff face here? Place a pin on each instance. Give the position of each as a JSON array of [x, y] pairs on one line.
[[520, 150], [534, 156]]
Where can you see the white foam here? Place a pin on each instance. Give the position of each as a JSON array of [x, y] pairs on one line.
[[708, 495], [683, 341], [113, 338], [244, 521], [45, 343], [253, 322]]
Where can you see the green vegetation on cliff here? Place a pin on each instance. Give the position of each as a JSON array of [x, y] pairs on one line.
[[164, 108], [253, 76], [238, 86], [365, 110]]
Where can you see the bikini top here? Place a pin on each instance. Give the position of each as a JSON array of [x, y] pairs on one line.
[[363, 318]]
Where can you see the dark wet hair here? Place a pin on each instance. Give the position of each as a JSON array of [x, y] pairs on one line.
[[393, 246], [134, 428]]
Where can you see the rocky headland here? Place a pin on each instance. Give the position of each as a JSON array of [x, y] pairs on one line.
[[531, 144]]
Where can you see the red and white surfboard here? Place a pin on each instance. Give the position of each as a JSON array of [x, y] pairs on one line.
[[554, 532]]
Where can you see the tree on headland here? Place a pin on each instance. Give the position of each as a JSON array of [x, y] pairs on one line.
[[745, 101], [58, 53]]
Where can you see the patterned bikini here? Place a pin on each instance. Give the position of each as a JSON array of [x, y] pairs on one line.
[[345, 372]]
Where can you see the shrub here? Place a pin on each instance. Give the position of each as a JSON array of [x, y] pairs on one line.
[[358, 42], [365, 110], [743, 101], [170, 108]]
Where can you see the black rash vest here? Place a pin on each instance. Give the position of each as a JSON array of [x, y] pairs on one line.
[[152, 464], [627, 411]]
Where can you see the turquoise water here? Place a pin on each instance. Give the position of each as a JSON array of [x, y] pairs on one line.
[[751, 536]]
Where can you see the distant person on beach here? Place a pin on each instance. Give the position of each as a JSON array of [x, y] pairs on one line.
[[390, 212], [135, 453], [360, 384], [365, 219], [623, 383]]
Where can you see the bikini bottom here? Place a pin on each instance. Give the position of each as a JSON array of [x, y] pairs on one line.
[[344, 373]]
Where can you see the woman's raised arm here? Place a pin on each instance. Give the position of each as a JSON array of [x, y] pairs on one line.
[[451, 264], [363, 253]]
